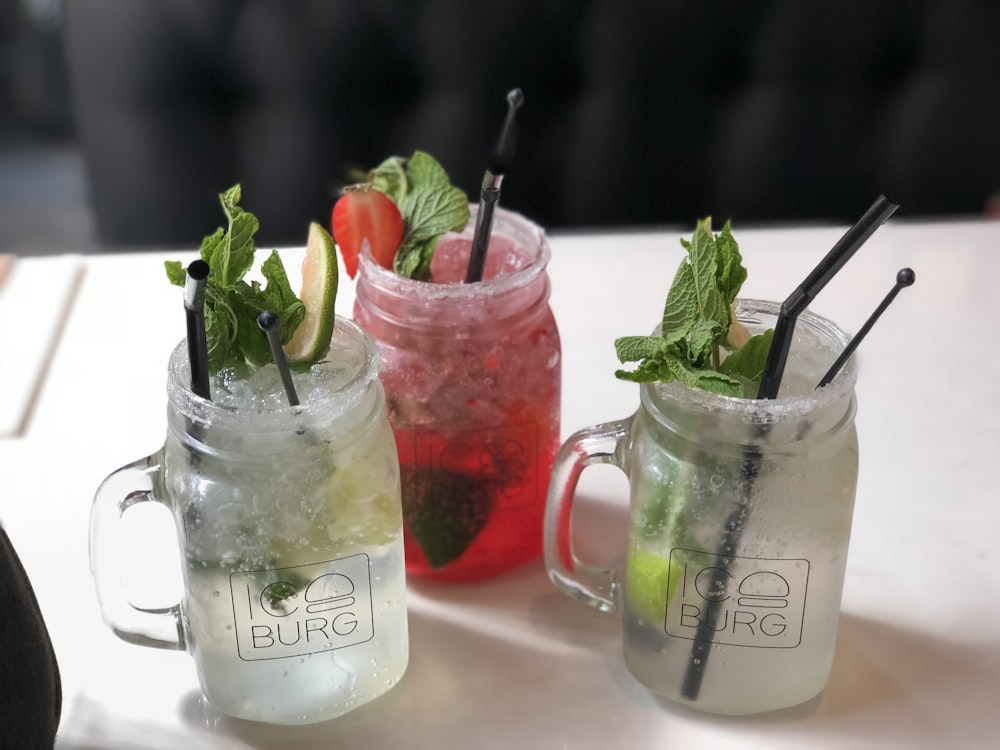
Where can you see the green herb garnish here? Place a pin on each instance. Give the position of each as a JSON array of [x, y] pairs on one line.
[[445, 512], [232, 304], [697, 319], [278, 594], [429, 204]]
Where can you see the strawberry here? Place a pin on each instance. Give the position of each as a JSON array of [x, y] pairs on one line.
[[363, 213]]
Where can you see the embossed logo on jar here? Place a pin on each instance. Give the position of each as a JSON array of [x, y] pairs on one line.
[[738, 601], [302, 610], [502, 459]]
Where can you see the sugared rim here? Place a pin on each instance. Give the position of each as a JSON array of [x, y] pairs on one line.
[[530, 237], [783, 409], [345, 331]]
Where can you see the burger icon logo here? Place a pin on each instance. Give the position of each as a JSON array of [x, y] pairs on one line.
[[305, 609], [753, 602]]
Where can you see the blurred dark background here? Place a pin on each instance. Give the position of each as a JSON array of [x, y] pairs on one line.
[[43, 193], [121, 120]]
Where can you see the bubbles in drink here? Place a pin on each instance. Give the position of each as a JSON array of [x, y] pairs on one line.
[[451, 259], [261, 388], [808, 360], [472, 376], [292, 531]]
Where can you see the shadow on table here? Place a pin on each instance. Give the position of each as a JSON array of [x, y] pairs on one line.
[[492, 655], [485, 658], [883, 668], [474, 679], [889, 686]]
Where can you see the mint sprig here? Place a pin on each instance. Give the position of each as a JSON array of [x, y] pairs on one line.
[[429, 204], [445, 512], [697, 317], [231, 303]]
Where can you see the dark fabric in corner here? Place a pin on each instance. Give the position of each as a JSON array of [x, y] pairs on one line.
[[30, 686]]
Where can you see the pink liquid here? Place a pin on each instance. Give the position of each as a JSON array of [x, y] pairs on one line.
[[451, 259], [474, 401]]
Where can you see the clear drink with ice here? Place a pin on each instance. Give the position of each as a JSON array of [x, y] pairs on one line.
[[739, 523], [472, 377], [290, 530]]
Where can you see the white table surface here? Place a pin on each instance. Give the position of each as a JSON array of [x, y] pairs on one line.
[[512, 662], [29, 331]]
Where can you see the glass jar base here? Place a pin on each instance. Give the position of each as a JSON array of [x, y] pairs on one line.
[[470, 573], [726, 692]]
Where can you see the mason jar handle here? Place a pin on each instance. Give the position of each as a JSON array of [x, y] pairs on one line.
[[121, 490], [602, 444]]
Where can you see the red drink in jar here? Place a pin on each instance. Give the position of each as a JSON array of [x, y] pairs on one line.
[[472, 375]]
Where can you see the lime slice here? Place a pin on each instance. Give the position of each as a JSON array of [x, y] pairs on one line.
[[363, 494], [647, 578], [364, 509], [311, 340]]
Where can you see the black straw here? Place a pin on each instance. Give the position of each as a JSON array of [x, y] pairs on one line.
[[501, 158], [197, 344], [904, 278], [269, 323], [806, 292], [853, 239]]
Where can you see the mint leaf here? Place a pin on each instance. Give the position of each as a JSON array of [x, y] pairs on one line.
[[667, 368], [389, 177], [706, 379], [445, 512], [730, 273], [176, 273], [232, 254], [701, 342], [694, 296], [429, 204], [277, 593], [749, 360], [648, 371], [212, 247], [696, 319], [231, 303], [279, 297], [220, 334], [635, 348], [247, 303]]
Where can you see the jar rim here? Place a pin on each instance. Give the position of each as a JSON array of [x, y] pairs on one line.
[[762, 411], [531, 237], [278, 415]]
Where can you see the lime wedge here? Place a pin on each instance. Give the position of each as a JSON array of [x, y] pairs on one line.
[[364, 509], [648, 577], [311, 340]]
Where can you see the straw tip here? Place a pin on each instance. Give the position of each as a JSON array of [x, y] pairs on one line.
[[198, 270], [267, 321], [194, 286], [506, 146], [885, 207]]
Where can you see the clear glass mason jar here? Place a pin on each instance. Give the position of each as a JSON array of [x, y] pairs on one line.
[[739, 523], [472, 374], [290, 531]]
